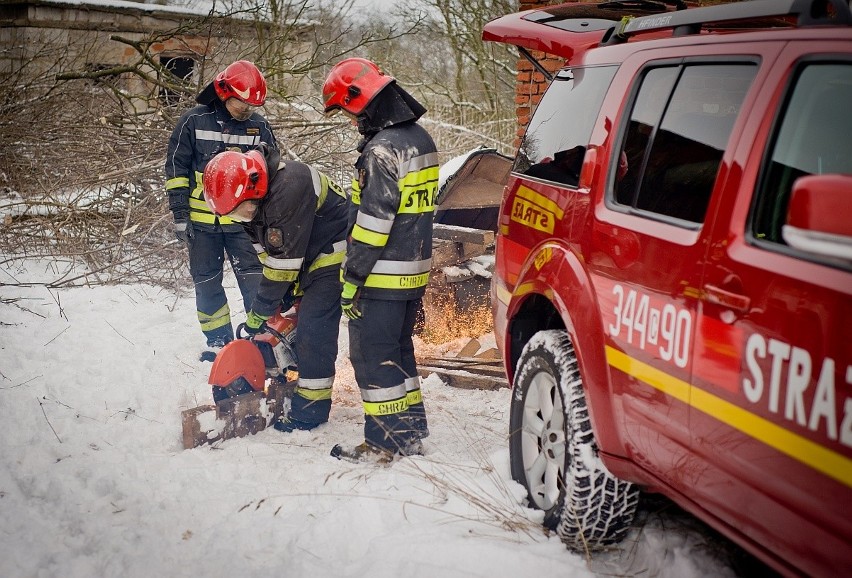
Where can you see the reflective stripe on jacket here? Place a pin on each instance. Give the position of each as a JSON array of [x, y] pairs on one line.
[[201, 133], [299, 231], [393, 201]]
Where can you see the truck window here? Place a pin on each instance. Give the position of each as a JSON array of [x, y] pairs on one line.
[[677, 133], [555, 142], [814, 136]]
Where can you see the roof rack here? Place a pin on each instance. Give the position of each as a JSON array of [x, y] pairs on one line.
[[684, 22]]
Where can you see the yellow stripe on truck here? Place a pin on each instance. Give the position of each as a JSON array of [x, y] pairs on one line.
[[801, 449]]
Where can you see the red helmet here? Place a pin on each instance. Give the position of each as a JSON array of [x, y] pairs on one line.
[[231, 178], [352, 84], [241, 80]]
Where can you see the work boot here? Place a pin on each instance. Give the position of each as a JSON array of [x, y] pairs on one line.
[[368, 453], [214, 346], [288, 424]]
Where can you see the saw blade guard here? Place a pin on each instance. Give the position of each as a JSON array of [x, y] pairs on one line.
[[239, 359]]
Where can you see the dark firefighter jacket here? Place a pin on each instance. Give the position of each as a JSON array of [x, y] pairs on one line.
[[393, 200], [201, 133], [299, 231]]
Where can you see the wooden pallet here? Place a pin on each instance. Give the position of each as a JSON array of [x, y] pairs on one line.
[[452, 245], [234, 417], [468, 369]]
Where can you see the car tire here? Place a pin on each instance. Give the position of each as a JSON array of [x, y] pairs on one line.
[[553, 452]]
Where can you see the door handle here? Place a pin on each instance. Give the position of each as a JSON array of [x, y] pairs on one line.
[[718, 296]]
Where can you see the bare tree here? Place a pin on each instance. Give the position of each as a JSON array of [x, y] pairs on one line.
[[467, 84], [84, 145]]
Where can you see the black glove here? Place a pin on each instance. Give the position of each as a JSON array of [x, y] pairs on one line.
[[288, 301], [183, 231]]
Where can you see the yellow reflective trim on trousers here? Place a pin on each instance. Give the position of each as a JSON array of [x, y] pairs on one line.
[[397, 281], [314, 394], [177, 182], [280, 274], [326, 260], [418, 190], [359, 233], [414, 397], [215, 320], [392, 407]]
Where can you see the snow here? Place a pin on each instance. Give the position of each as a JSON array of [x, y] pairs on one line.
[[449, 169], [198, 8], [94, 480]]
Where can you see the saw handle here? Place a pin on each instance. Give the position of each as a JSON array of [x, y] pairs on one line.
[[249, 334]]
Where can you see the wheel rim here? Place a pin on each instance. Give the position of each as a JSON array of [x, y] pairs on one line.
[[543, 441]]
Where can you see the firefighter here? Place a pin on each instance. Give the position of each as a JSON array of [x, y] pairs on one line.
[[297, 218], [224, 119], [389, 253]]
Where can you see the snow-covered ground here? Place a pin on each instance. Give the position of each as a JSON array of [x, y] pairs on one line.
[[94, 480]]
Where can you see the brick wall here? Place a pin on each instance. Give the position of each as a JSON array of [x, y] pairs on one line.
[[530, 84]]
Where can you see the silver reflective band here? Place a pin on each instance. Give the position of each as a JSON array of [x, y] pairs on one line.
[[231, 139], [378, 395], [418, 163], [284, 264], [318, 383], [384, 267], [337, 247], [412, 383], [315, 177], [374, 223]]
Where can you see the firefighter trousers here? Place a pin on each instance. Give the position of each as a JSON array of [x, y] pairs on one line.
[[381, 350], [207, 251], [316, 348]]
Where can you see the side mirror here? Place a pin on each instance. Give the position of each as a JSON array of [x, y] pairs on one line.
[[819, 219]]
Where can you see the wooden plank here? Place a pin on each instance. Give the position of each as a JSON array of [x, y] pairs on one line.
[[239, 416], [469, 349], [464, 379], [482, 369], [462, 234], [469, 360], [446, 253], [490, 354], [192, 434]]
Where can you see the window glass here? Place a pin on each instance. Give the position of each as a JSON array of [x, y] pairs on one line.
[[677, 133], [814, 136], [646, 115], [556, 139]]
